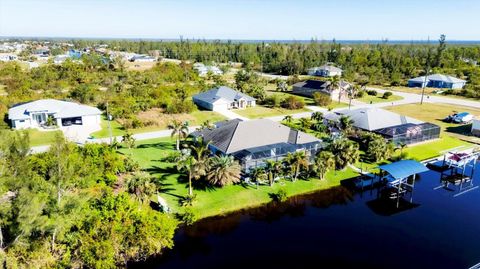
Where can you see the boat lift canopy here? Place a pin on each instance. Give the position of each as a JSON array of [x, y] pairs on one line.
[[403, 169]]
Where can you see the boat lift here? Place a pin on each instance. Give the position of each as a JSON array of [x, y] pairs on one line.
[[453, 174], [400, 178]]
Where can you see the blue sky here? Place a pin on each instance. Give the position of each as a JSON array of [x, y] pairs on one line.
[[243, 19]]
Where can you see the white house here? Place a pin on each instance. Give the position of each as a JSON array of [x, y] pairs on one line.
[[35, 114], [203, 70], [223, 98], [476, 127], [325, 71], [143, 58]]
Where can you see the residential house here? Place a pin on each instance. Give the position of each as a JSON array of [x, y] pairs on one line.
[[394, 127], [36, 114], [437, 81], [254, 142], [476, 126], [325, 71], [203, 70], [8, 57], [143, 58], [223, 98], [309, 87]]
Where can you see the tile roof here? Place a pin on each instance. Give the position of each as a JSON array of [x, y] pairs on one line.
[[240, 135], [60, 109]]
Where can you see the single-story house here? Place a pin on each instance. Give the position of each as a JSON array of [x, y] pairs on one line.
[[309, 87], [59, 59], [143, 58], [254, 142], [476, 126], [203, 70], [8, 57], [223, 98], [325, 71], [35, 114], [437, 81], [394, 127]]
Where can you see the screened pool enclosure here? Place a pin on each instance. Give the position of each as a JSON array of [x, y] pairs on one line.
[[410, 133]]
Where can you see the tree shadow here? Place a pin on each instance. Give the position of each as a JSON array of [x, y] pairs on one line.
[[464, 129], [159, 145]]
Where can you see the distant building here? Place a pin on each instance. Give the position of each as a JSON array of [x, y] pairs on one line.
[[254, 142], [203, 70], [8, 57], [309, 87], [143, 58], [41, 53], [223, 98], [476, 127], [394, 127], [325, 71], [60, 59], [35, 114], [437, 81]]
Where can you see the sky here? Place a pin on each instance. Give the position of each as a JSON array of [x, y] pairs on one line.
[[243, 19]]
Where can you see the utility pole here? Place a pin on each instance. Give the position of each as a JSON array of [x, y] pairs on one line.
[[424, 86], [109, 125]]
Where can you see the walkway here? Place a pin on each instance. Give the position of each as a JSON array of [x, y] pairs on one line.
[[229, 114]]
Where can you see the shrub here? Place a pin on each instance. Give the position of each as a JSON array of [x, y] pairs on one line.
[[372, 92], [293, 102], [387, 95], [273, 100], [280, 196], [188, 200], [322, 99], [188, 217], [360, 94]]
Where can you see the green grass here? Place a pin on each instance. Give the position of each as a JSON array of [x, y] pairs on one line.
[[264, 112], [378, 99], [217, 201], [435, 148], [38, 138], [117, 130]]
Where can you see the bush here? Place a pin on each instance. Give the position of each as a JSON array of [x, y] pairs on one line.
[[188, 200], [273, 100], [360, 94], [293, 102], [188, 217], [387, 95], [372, 92], [322, 99], [280, 196]]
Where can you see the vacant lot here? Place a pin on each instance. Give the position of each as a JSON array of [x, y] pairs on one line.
[[257, 112], [370, 99], [160, 121]]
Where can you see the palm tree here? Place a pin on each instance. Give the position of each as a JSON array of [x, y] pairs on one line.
[[346, 123], [141, 185], [317, 116], [352, 92], [200, 152], [186, 163], [180, 130], [324, 161], [288, 119], [345, 152], [206, 125], [258, 174], [305, 124], [401, 147], [297, 161], [335, 83], [273, 168], [223, 170]]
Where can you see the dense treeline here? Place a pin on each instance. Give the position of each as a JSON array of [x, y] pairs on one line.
[[69, 207], [382, 63]]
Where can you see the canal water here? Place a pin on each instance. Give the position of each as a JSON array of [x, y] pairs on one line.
[[338, 228]]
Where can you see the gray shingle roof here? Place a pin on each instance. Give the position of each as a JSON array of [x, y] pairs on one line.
[[60, 109], [312, 84], [240, 135], [223, 92], [375, 118], [438, 77]]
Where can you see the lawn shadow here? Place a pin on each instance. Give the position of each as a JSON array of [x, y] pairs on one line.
[[159, 145]]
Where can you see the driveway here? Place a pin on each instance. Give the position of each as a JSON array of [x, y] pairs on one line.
[[229, 114]]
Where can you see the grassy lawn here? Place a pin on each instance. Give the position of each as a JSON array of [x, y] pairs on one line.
[[38, 138], [434, 113], [435, 148], [264, 112], [378, 99], [217, 201], [197, 117]]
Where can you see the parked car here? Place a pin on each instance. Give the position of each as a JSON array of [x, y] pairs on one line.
[[463, 117]]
